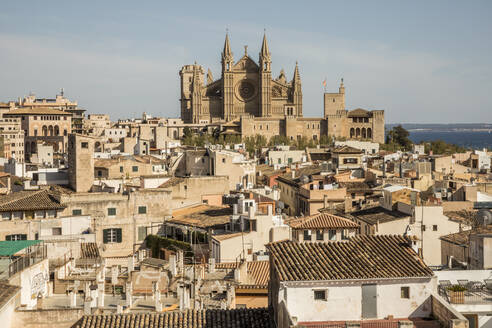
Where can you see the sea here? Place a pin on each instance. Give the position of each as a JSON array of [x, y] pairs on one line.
[[469, 139]]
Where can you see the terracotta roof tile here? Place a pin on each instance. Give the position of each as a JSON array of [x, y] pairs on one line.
[[237, 318], [362, 257], [377, 214], [323, 221], [260, 272], [202, 216], [89, 251], [7, 291], [30, 200]]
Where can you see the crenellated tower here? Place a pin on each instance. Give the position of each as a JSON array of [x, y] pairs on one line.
[[227, 80], [265, 78]]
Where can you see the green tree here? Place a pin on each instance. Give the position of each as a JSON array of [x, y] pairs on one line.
[[397, 138], [326, 140]]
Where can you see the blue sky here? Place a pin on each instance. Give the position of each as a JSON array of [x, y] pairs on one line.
[[420, 61]]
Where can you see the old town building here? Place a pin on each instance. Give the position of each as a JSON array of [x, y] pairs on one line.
[[247, 100]]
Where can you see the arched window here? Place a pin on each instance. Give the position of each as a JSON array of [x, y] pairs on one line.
[[369, 133], [50, 130], [364, 133], [45, 130], [352, 132], [357, 133], [65, 133], [57, 130]]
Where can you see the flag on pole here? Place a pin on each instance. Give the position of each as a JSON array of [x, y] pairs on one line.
[[324, 82]]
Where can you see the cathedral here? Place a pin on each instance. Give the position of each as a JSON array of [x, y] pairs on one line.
[[245, 87], [246, 100]]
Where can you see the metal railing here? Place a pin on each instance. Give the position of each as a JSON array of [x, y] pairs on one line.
[[477, 294], [35, 256]]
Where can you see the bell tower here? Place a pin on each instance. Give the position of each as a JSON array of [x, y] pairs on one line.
[[227, 80], [265, 80]]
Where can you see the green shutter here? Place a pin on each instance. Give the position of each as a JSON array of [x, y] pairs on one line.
[[8, 237], [142, 210], [118, 235], [105, 236], [23, 237]]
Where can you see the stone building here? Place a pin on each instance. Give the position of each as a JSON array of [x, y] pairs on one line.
[[247, 100], [46, 124], [13, 136]]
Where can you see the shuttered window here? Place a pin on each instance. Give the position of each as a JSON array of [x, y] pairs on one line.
[[112, 235], [142, 209], [111, 211]]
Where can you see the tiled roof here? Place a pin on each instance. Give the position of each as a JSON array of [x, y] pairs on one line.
[[346, 150], [37, 111], [226, 236], [362, 257], [7, 291], [359, 112], [237, 318], [202, 216], [89, 251], [462, 238], [259, 271], [172, 182], [377, 214], [323, 221], [30, 200], [464, 216]]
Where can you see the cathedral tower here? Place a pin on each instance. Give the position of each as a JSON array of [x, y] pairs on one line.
[[265, 80], [227, 79]]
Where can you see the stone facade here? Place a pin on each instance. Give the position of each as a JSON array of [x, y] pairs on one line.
[[246, 100]]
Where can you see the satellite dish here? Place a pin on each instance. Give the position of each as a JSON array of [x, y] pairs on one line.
[[484, 217]]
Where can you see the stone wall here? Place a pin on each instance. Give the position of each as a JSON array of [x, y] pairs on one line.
[[60, 318], [447, 316]]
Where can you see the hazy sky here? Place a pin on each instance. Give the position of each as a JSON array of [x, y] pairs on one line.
[[420, 61]]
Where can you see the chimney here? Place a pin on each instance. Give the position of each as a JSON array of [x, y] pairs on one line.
[[100, 295], [234, 209], [87, 305], [119, 309], [131, 263], [73, 299], [172, 264], [325, 201], [270, 210], [129, 291], [211, 265], [293, 174], [114, 275]]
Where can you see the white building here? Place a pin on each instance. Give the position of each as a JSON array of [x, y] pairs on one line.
[[367, 277]]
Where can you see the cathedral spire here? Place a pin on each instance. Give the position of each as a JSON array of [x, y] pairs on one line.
[[297, 76], [227, 47], [264, 47]]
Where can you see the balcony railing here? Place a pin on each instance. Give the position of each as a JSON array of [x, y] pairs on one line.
[[27, 260], [477, 294]]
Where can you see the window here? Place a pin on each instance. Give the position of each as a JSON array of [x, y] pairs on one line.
[[279, 161], [16, 237], [121, 169], [223, 160], [142, 233], [434, 227], [5, 215], [77, 212], [112, 235], [405, 292], [253, 225], [350, 161], [111, 211], [134, 168], [56, 231], [319, 234], [99, 173], [307, 235], [142, 210], [344, 235], [84, 145], [320, 295], [423, 227], [332, 234]]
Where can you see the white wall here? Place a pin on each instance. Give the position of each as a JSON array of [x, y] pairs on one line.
[[34, 281], [344, 301]]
